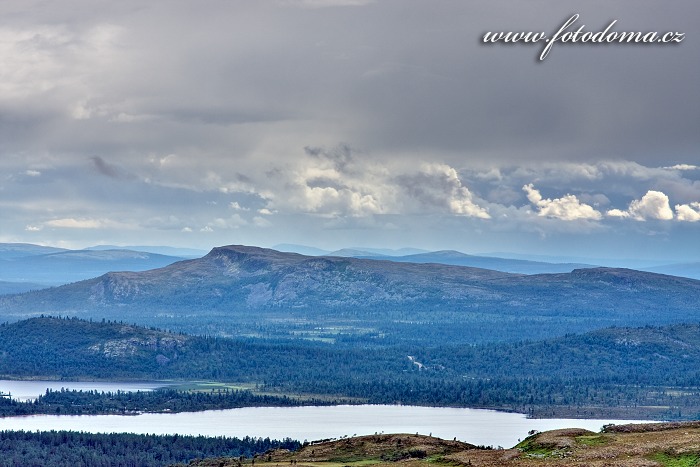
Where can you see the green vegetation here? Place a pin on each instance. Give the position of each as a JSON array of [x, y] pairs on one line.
[[593, 440], [618, 372], [67, 402], [72, 449], [533, 448], [677, 460]]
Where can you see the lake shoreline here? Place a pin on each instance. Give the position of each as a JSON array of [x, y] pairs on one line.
[[37, 387]]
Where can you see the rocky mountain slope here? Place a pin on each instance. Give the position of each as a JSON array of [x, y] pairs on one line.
[[248, 290]]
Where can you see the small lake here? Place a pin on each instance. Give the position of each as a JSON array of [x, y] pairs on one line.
[[475, 426], [30, 390]]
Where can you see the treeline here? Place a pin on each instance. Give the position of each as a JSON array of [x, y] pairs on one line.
[[616, 367], [72, 402], [78, 449]]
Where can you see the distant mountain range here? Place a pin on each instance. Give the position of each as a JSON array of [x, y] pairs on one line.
[[241, 290], [455, 258], [27, 267], [503, 261]]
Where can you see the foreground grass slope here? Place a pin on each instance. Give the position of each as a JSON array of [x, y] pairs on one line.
[[649, 445]]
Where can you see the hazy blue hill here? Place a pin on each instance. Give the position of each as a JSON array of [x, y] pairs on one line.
[[19, 287], [74, 265], [356, 253], [499, 264], [301, 249], [451, 257], [351, 251], [20, 250], [691, 270], [178, 252], [240, 290]]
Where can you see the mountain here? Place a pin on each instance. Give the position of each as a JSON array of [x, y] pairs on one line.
[[21, 250], [498, 264], [383, 251], [456, 258], [691, 270], [178, 252], [74, 265], [352, 251], [356, 253], [241, 290], [18, 287], [301, 249], [631, 263]]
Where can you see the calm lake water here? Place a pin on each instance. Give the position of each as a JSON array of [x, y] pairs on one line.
[[30, 390], [475, 426]]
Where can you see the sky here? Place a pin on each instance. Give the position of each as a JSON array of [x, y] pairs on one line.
[[338, 123]]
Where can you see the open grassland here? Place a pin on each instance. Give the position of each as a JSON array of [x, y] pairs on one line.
[[648, 445]]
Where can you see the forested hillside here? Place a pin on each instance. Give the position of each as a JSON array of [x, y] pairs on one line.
[[632, 371]]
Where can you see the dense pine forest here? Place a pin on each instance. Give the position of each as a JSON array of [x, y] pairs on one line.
[[632, 372], [71, 402], [72, 449]]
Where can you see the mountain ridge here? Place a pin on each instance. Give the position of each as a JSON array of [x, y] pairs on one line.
[[250, 290]]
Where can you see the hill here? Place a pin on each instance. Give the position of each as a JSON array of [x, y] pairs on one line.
[[457, 258], [67, 266], [620, 372], [691, 270], [18, 287], [239, 290], [650, 445], [21, 250]]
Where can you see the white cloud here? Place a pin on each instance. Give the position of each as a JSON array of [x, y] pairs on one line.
[[683, 167], [33, 228], [235, 205], [439, 186], [261, 222], [566, 208], [71, 223], [33, 173], [653, 205], [688, 212]]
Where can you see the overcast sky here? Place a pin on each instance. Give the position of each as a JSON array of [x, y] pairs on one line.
[[349, 123]]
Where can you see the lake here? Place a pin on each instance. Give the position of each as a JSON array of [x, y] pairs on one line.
[[475, 426], [30, 390]]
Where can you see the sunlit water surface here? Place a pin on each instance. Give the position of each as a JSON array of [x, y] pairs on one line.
[[475, 426]]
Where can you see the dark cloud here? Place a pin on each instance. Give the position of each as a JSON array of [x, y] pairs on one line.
[[340, 155], [369, 113], [107, 169]]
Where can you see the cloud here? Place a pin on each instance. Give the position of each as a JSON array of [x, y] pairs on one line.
[[236, 206], [71, 223], [323, 3], [439, 186], [653, 205], [107, 169], [688, 212], [567, 208], [683, 167]]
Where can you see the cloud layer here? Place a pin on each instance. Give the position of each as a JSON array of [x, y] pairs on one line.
[[343, 121]]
